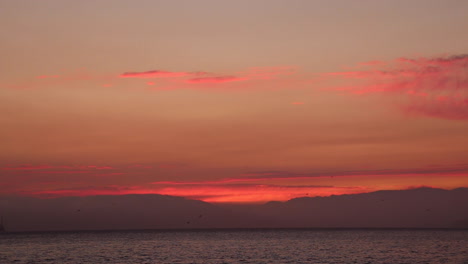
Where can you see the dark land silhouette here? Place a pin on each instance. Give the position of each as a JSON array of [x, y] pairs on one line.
[[415, 208]]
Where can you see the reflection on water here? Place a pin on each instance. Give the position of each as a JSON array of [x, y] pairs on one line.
[[238, 246]]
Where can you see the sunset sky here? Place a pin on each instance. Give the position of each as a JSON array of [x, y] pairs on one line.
[[232, 101]]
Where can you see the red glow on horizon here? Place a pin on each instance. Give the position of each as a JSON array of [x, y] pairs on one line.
[[264, 190], [250, 187], [228, 194], [215, 194]]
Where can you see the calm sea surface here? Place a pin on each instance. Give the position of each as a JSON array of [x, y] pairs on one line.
[[238, 246]]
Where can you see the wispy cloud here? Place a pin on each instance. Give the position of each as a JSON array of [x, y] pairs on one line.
[[202, 77], [217, 79], [284, 175], [260, 177], [159, 74], [432, 87], [155, 79]]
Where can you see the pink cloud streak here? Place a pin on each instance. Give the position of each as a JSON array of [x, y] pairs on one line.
[[218, 79], [159, 74], [431, 87]]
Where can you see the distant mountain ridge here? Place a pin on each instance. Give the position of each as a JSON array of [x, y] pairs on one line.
[[414, 208]]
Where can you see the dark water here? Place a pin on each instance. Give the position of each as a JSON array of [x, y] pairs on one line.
[[238, 246]]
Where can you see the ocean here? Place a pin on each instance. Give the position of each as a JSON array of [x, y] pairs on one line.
[[238, 246]]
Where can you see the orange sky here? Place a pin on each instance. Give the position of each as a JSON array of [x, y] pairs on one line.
[[232, 101]]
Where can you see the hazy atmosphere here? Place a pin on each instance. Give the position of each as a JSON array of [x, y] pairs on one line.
[[233, 131], [232, 102]]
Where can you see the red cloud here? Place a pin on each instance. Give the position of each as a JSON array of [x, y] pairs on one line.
[[159, 74], [219, 79], [432, 87]]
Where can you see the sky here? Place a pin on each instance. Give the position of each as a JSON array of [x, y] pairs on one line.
[[232, 101]]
